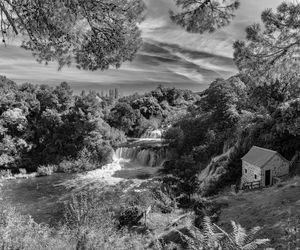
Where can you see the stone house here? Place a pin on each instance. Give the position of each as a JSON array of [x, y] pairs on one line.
[[262, 166]]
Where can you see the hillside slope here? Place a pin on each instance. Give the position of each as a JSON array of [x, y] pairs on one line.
[[275, 209]]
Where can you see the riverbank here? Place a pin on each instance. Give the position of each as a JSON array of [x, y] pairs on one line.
[[43, 198], [18, 176]]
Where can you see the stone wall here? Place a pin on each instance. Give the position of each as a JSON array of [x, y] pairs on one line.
[[278, 166], [250, 172]]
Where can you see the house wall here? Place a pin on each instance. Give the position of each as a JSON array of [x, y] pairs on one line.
[[252, 170], [278, 166]]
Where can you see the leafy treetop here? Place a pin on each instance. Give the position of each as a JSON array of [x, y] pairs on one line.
[[272, 52], [97, 34], [94, 34], [199, 16]]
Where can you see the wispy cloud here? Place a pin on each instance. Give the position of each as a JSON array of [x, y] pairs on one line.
[[169, 55]]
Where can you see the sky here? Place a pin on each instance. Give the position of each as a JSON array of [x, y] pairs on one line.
[[169, 56]]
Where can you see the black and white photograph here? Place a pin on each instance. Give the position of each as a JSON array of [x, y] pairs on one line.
[[150, 125]]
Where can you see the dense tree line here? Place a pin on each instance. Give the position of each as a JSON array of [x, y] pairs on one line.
[[47, 125], [136, 113], [259, 106], [42, 125]]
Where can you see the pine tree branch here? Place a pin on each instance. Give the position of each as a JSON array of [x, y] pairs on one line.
[[9, 18]]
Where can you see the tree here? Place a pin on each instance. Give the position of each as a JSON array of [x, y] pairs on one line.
[[288, 116], [123, 117], [148, 106], [275, 92], [223, 102], [64, 96], [272, 52], [199, 16], [96, 34]]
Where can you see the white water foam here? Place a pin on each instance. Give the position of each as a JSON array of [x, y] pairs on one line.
[[153, 134], [142, 157]]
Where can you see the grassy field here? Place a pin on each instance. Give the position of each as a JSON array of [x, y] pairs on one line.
[[275, 209]]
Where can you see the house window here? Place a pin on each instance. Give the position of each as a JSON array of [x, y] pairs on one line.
[[255, 176], [245, 171]]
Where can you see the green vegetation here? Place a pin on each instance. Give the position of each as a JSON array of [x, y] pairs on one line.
[[53, 31], [204, 15], [136, 113], [46, 129], [259, 106], [40, 125], [93, 220], [46, 170]]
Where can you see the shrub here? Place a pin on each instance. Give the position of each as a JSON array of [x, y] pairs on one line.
[[76, 166], [92, 225], [21, 232], [22, 171], [5, 173], [65, 166], [46, 170], [83, 165], [129, 216], [184, 202], [206, 208]]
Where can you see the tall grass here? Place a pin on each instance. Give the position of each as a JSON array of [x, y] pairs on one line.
[[90, 225], [21, 232], [86, 227]]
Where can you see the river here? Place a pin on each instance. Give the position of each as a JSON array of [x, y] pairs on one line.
[[43, 197]]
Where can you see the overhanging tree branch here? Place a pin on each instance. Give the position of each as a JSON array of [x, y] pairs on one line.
[[9, 18]]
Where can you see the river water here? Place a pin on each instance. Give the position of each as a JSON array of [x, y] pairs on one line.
[[43, 197]]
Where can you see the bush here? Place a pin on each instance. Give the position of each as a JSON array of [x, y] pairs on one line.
[[21, 232], [87, 159], [129, 216], [22, 171], [46, 170], [93, 227], [206, 208], [184, 202], [65, 166], [5, 173], [76, 166]]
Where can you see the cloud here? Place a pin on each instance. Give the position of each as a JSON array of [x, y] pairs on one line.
[[158, 27], [169, 55]]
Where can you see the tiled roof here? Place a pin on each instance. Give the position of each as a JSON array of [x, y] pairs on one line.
[[259, 156]]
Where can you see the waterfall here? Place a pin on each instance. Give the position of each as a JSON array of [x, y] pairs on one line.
[[153, 134], [132, 158], [145, 157]]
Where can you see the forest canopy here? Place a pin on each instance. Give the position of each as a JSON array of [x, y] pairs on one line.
[[42, 125]]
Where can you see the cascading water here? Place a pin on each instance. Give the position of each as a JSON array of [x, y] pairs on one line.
[[153, 134], [147, 151], [138, 158], [151, 157]]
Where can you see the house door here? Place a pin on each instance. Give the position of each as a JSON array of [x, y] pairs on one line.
[[268, 178]]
